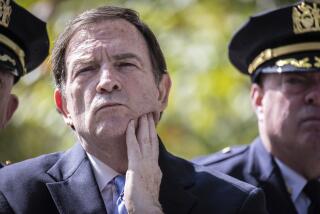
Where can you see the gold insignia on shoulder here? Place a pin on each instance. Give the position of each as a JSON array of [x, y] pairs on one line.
[[305, 17], [226, 150], [289, 189], [5, 12], [302, 63]]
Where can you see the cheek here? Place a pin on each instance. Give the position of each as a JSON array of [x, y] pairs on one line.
[[149, 95], [2, 112], [281, 116], [4, 99], [77, 100], [144, 96], [274, 110]]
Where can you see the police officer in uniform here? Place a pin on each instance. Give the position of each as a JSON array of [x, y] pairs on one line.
[[280, 51], [24, 45]]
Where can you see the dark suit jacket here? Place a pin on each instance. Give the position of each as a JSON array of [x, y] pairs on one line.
[[254, 165], [65, 183]]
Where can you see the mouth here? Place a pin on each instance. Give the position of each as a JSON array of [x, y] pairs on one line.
[[314, 120], [109, 105]]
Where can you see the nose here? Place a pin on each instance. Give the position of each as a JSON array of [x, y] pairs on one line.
[[108, 81], [313, 95]]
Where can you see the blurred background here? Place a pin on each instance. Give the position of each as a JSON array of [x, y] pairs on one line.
[[209, 105]]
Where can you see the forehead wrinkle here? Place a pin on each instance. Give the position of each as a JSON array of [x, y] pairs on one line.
[[118, 32], [81, 41], [98, 39], [83, 50]]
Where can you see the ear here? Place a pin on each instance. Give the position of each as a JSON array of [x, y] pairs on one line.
[[256, 95], [13, 104], [164, 89], [61, 106]]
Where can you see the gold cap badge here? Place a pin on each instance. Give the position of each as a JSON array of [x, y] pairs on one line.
[[306, 17], [5, 12]]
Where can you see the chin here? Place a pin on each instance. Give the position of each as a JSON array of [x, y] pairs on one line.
[[111, 130]]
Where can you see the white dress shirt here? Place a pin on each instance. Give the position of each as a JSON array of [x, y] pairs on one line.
[[104, 175], [295, 184]]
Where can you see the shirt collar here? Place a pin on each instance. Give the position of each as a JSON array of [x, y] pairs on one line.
[[294, 181], [102, 172]]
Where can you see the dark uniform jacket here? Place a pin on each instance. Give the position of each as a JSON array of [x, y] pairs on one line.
[[254, 165], [65, 183]]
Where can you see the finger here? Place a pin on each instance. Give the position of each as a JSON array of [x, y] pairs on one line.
[[144, 136], [156, 117], [129, 190], [143, 130], [153, 138], [133, 150]]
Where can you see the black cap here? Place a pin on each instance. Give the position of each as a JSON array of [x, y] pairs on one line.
[[283, 40], [24, 42]]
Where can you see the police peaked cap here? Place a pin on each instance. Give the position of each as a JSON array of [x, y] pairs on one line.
[[286, 39], [24, 42]]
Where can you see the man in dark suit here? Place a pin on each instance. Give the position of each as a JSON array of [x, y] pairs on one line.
[[24, 45], [112, 86], [280, 51]]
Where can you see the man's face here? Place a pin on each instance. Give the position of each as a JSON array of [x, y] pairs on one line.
[[8, 102], [289, 112], [109, 80]]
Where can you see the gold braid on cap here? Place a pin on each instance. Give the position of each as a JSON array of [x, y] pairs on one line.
[[16, 49], [272, 53], [5, 58]]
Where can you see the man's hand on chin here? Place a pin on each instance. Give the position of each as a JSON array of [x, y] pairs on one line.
[[143, 178]]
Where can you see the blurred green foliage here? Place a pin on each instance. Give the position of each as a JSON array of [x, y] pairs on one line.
[[209, 105]]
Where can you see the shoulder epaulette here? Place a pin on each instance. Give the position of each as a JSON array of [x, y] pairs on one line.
[[222, 155]]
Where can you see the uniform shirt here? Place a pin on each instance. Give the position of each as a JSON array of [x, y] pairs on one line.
[[295, 184], [104, 174]]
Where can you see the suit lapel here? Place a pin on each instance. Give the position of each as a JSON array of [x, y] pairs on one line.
[[75, 189], [263, 167], [176, 184]]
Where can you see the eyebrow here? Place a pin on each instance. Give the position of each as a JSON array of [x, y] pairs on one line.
[[87, 59], [127, 56], [82, 59]]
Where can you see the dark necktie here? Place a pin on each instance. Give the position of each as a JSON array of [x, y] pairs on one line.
[[312, 190]]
